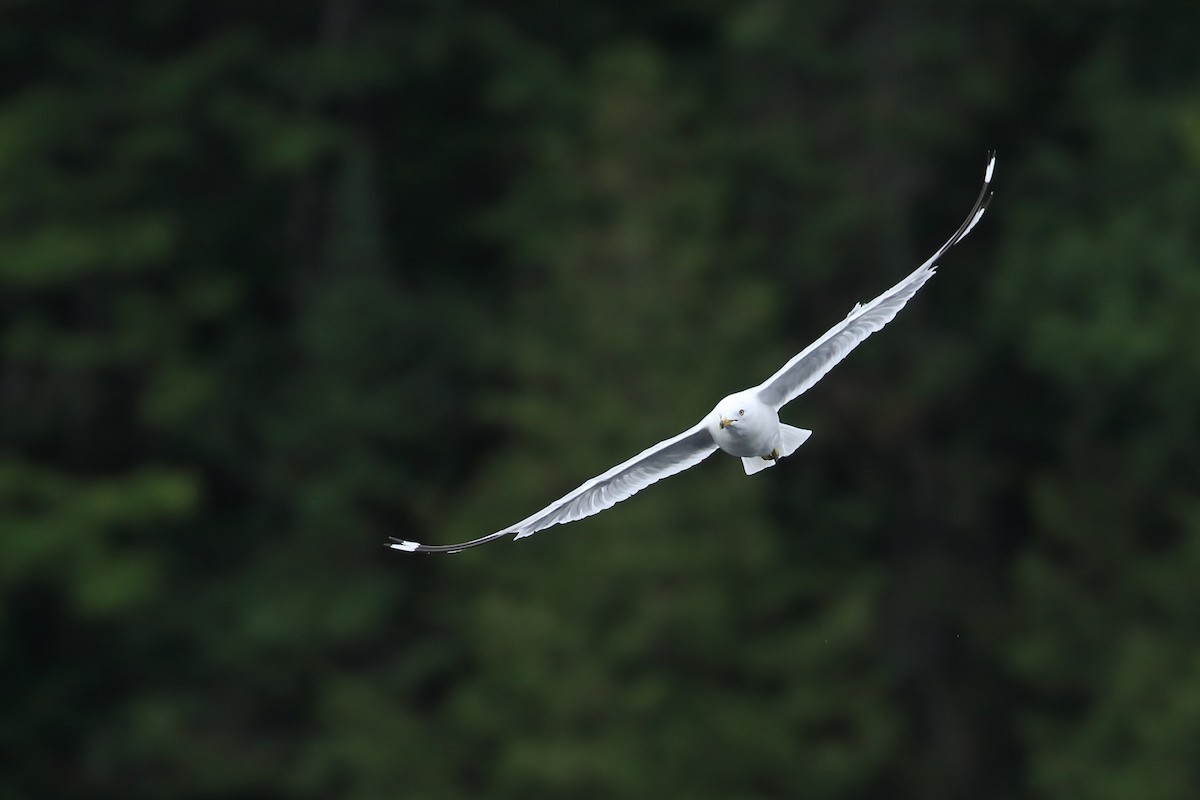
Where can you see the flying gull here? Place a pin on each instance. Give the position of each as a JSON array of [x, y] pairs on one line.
[[744, 424]]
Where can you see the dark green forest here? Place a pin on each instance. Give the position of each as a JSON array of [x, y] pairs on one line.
[[280, 280]]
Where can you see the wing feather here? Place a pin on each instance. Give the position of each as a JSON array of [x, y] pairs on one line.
[[663, 460], [809, 366]]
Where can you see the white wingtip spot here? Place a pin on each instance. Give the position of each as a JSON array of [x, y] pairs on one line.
[[407, 546], [974, 222], [987, 175]]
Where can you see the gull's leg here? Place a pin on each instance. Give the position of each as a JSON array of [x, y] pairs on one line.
[[772, 456]]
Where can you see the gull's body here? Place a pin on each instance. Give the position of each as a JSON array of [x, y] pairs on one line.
[[744, 424]]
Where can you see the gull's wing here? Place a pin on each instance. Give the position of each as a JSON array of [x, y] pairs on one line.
[[604, 491], [805, 369]]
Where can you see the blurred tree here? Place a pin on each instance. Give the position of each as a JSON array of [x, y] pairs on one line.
[[215, 368], [276, 282], [662, 657], [1107, 644]]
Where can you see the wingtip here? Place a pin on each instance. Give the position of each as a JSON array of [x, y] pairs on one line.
[[407, 546], [991, 167]]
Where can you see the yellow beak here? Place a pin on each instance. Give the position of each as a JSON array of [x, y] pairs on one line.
[[725, 423]]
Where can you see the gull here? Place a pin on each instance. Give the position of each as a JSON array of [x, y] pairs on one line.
[[744, 424]]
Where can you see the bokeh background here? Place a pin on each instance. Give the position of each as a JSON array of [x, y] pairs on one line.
[[278, 280]]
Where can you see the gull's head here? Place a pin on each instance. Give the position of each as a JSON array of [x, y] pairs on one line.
[[733, 410]]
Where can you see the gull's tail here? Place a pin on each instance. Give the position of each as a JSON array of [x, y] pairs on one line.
[[790, 440]]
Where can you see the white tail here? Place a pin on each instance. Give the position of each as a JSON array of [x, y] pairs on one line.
[[790, 440]]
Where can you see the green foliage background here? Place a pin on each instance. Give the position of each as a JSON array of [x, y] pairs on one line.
[[279, 280]]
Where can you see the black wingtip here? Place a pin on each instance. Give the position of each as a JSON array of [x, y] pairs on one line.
[[980, 206], [408, 546]]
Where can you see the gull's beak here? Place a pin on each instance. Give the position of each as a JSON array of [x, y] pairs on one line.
[[725, 423]]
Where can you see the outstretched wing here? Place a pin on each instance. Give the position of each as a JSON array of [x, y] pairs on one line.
[[818, 358], [604, 491]]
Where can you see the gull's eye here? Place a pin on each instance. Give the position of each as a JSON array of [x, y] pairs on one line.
[[741, 412]]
